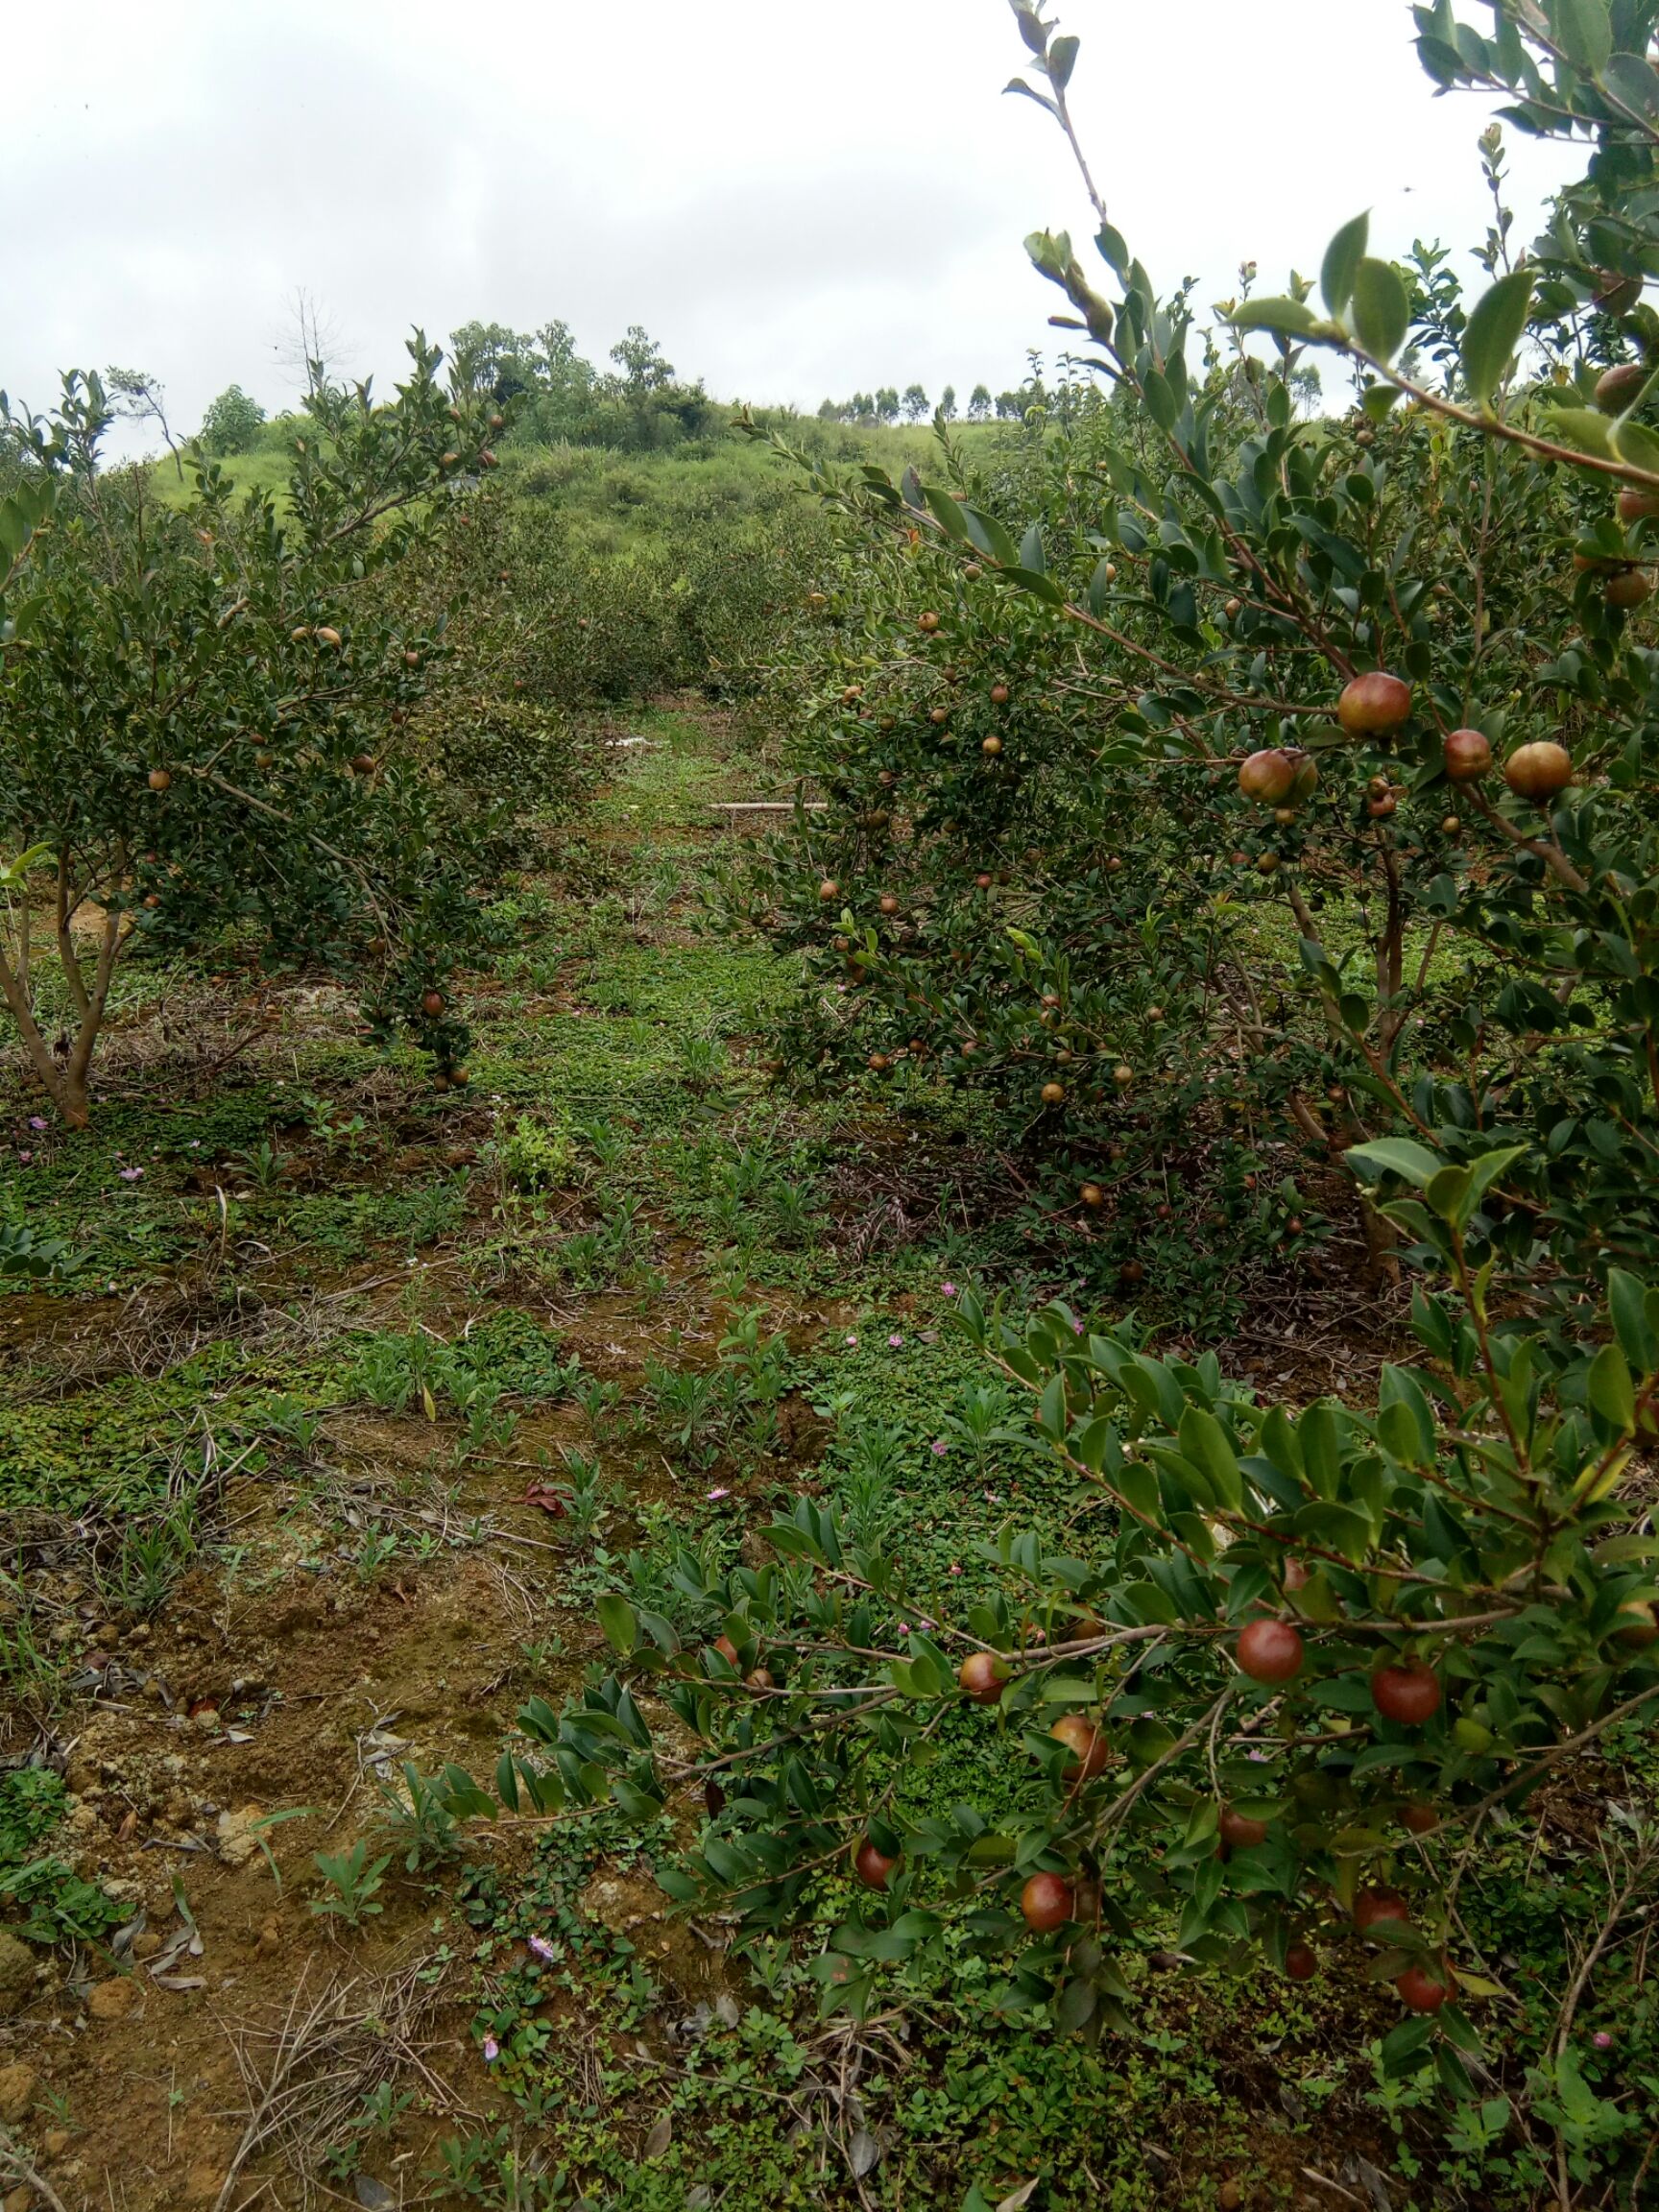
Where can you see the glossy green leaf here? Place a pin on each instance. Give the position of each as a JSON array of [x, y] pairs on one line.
[[1495, 324], [1380, 310], [1341, 263]]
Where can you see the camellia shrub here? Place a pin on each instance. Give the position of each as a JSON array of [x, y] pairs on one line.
[[1294, 767], [204, 719]]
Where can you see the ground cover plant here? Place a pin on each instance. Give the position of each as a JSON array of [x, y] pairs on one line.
[[741, 1608]]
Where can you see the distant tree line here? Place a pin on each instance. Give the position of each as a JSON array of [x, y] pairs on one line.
[[888, 404]]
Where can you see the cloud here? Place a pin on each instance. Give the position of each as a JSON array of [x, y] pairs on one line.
[[796, 202]]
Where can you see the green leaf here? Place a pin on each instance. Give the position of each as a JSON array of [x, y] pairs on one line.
[[1204, 1441], [1381, 311], [1033, 581], [1635, 443], [1610, 1389], [946, 511], [1031, 553], [989, 536], [1495, 327], [1062, 60], [1342, 259], [1586, 429], [1288, 316], [1584, 33], [1626, 1302], [1634, 83], [617, 1619], [1396, 1156], [1099, 589]]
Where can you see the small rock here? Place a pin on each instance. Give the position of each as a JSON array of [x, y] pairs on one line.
[[237, 1843], [207, 1721], [112, 2000], [146, 1945], [16, 2092], [17, 1975], [267, 1940], [54, 2142]]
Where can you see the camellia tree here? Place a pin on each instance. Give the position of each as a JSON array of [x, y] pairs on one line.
[[1388, 672], [203, 714], [1296, 1664]]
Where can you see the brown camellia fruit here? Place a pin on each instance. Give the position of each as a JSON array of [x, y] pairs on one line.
[[1053, 1094], [998, 694], [1240, 1834], [1268, 864], [1628, 588], [982, 881], [327, 637], [1122, 1075], [364, 764], [1539, 770], [1374, 703], [1410, 1693], [1045, 1902], [1092, 1195], [1087, 1744], [1637, 506], [1301, 1962], [1269, 1651], [449, 459], [1379, 1908], [160, 778], [828, 889], [1269, 777], [727, 1650], [992, 746], [760, 1678], [1419, 1818], [1468, 754], [1422, 1990], [981, 1677], [928, 622], [1381, 808], [877, 1061], [873, 1868], [939, 716], [432, 1002], [1451, 827], [1638, 1624], [459, 1078], [1617, 387], [498, 421], [887, 904], [1232, 610]]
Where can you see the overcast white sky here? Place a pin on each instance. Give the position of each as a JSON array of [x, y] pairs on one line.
[[797, 200]]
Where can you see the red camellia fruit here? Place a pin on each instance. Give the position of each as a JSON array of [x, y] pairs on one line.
[[1637, 506], [1046, 1901], [1240, 1834], [1468, 756], [1378, 1908], [1301, 1962], [1618, 386], [1085, 1742], [1269, 1651], [998, 694], [1422, 1990], [1374, 703], [727, 1650], [1628, 588], [873, 1868], [432, 1002], [1539, 770], [1269, 777], [982, 1676], [1410, 1693]]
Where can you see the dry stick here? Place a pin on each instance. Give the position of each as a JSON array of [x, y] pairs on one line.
[[17, 2159]]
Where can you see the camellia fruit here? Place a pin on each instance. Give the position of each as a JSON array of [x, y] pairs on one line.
[[1539, 770], [1087, 1744], [1239, 1833], [1419, 1818], [1381, 1908], [998, 694], [1422, 1990], [1092, 1195], [1374, 703], [992, 746], [980, 1678], [1628, 588], [727, 1650], [828, 889], [1637, 506], [887, 904], [160, 778], [1638, 1624], [432, 1002], [760, 1678], [927, 623], [873, 1868], [1053, 1094], [1045, 1902], [1410, 1693], [327, 637], [1122, 1075], [1269, 777], [1269, 1651], [1618, 386], [1468, 754], [1301, 1962]]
